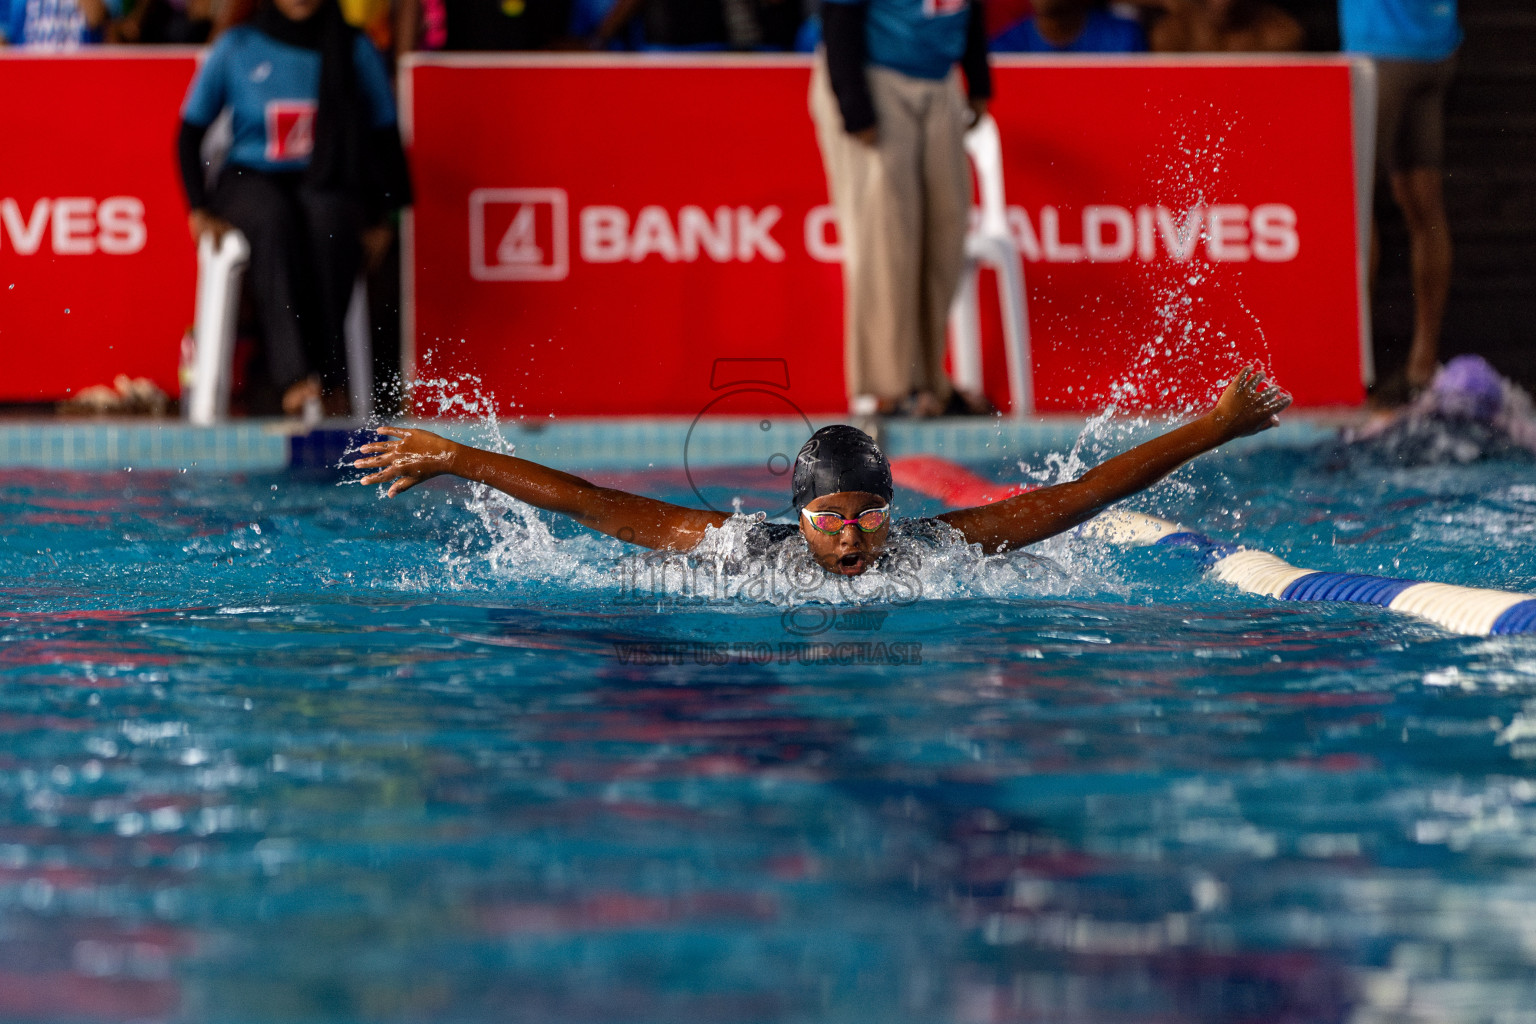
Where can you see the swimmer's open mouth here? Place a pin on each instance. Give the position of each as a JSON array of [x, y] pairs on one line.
[[850, 563]]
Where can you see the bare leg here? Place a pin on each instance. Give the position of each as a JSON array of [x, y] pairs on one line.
[[878, 192], [1421, 195]]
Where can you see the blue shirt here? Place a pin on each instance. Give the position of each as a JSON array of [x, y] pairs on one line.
[[50, 24], [1102, 33], [1400, 29], [921, 38], [273, 90]]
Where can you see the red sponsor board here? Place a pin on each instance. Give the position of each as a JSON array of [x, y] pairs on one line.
[[96, 268], [591, 234]]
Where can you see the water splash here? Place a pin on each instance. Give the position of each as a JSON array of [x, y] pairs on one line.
[[508, 543], [505, 543]]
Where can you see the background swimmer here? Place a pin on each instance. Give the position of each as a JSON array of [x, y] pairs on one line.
[[1468, 412], [842, 486]]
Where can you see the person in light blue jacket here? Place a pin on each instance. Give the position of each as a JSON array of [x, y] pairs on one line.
[[1413, 43]]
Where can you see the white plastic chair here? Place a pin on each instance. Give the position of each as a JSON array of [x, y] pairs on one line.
[[991, 244], [220, 271], [359, 351]]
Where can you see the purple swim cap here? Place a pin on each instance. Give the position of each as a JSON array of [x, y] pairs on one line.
[[1468, 386]]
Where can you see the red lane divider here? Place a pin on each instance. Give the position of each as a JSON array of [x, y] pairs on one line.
[[950, 482]]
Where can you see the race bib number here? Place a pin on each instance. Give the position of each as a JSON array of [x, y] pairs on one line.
[[941, 8], [290, 130]]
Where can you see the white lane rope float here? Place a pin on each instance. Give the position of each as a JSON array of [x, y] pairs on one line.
[[1470, 610]]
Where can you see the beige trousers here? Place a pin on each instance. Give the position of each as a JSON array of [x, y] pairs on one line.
[[903, 206]]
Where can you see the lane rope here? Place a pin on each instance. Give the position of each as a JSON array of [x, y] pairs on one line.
[[1473, 611]]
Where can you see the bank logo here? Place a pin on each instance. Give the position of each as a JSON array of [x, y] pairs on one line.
[[519, 234]]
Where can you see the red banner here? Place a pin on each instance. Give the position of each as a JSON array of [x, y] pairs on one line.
[[96, 267], [592, 233]]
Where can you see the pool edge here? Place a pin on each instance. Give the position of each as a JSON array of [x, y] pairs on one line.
[[615, 443]]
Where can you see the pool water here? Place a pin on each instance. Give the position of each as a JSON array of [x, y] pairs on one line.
[[274, 750]]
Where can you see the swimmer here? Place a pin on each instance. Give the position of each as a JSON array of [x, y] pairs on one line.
[[1469, 411], [841, 486]]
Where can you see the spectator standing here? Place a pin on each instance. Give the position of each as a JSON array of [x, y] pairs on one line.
[[1071, 26], [1413, 43], [890, 119], [58, 24], [312, 177], [1222, 26]]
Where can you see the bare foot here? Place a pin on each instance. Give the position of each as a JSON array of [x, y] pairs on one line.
[[299, 394], [924, 405], [873, 405], [967, 403]]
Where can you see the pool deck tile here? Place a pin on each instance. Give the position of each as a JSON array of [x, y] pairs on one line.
[[121, 445], [583, 444]]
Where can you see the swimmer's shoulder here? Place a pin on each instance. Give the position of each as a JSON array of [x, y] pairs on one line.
[[924, 528], [762, 538]]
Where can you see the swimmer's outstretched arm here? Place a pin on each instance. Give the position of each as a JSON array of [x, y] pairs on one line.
[[1246, 407], [417, 455]]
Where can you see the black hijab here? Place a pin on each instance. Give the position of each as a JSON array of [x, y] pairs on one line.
[[349, 155]]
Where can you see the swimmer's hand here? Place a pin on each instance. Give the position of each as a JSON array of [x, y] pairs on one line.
[[414, 456], [1249, 405], [417, 455]]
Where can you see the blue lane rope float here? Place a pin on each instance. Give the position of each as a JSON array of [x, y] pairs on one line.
[[1470, 610]]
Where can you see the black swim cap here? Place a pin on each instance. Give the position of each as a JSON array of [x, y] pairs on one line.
[[840, 458]]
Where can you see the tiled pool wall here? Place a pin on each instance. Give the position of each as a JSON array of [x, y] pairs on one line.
[[610, 443]]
